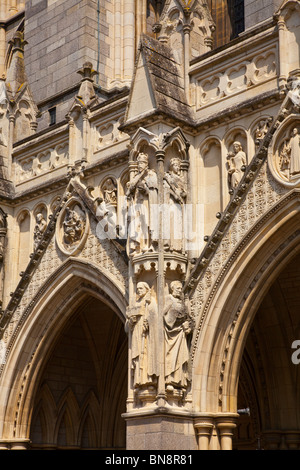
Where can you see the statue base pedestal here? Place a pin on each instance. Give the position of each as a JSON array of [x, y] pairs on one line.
[[160, 430]]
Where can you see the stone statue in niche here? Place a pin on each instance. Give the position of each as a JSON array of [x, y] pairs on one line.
[[73, 226], [142, 200], [236, 162], [174, 199], [39, 229], [141, 320], [289, 157], [109, 189], [177, 327], [107, 209]]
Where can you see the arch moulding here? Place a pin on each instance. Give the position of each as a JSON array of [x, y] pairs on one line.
[[219, 342], [34, 338]]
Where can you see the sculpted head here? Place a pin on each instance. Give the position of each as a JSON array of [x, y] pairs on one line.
[[176, 288], [175, 165], [237, 146], [142, 162], [142, 289]]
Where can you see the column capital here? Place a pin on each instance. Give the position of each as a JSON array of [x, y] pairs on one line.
[[226, 425]]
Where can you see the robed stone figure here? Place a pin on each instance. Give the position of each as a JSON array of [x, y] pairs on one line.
[[177, 327], [142, 208], [142, 321]]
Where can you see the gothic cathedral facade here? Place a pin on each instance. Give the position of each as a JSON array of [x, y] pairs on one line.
[[149, 224]]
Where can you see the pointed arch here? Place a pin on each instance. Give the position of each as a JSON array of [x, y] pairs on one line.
[[44, 319], [239, 290], [66, 425]]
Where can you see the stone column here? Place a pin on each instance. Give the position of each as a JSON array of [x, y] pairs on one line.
[[283, 67], [129, 38], [118, 41], [204, 428], [2, 45], [161, 394], [226, 425], [186, 32]]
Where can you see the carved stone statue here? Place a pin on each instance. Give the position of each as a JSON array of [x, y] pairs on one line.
[[73, 227], [142, 216], [39, 229], [174, 198], [261, 130], [178, 326], [141, 320], [236, 162], [289, 159], [109, 190], [107, 210]]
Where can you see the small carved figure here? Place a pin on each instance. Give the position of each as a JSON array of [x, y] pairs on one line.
[[289, 159], [178, 326], [39, 229], [141, 194], [109, 190], [73, 227], [236, 164], [141, 320], [261, 130]]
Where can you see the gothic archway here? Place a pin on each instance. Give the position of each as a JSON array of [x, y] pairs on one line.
[[83, 387], [235, 348], [45, 410], [268, 397]]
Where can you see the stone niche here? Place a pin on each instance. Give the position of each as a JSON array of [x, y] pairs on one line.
[[156, 198]]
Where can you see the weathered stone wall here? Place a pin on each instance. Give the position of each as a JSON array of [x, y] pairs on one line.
[[62, 36], [257, 11]]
